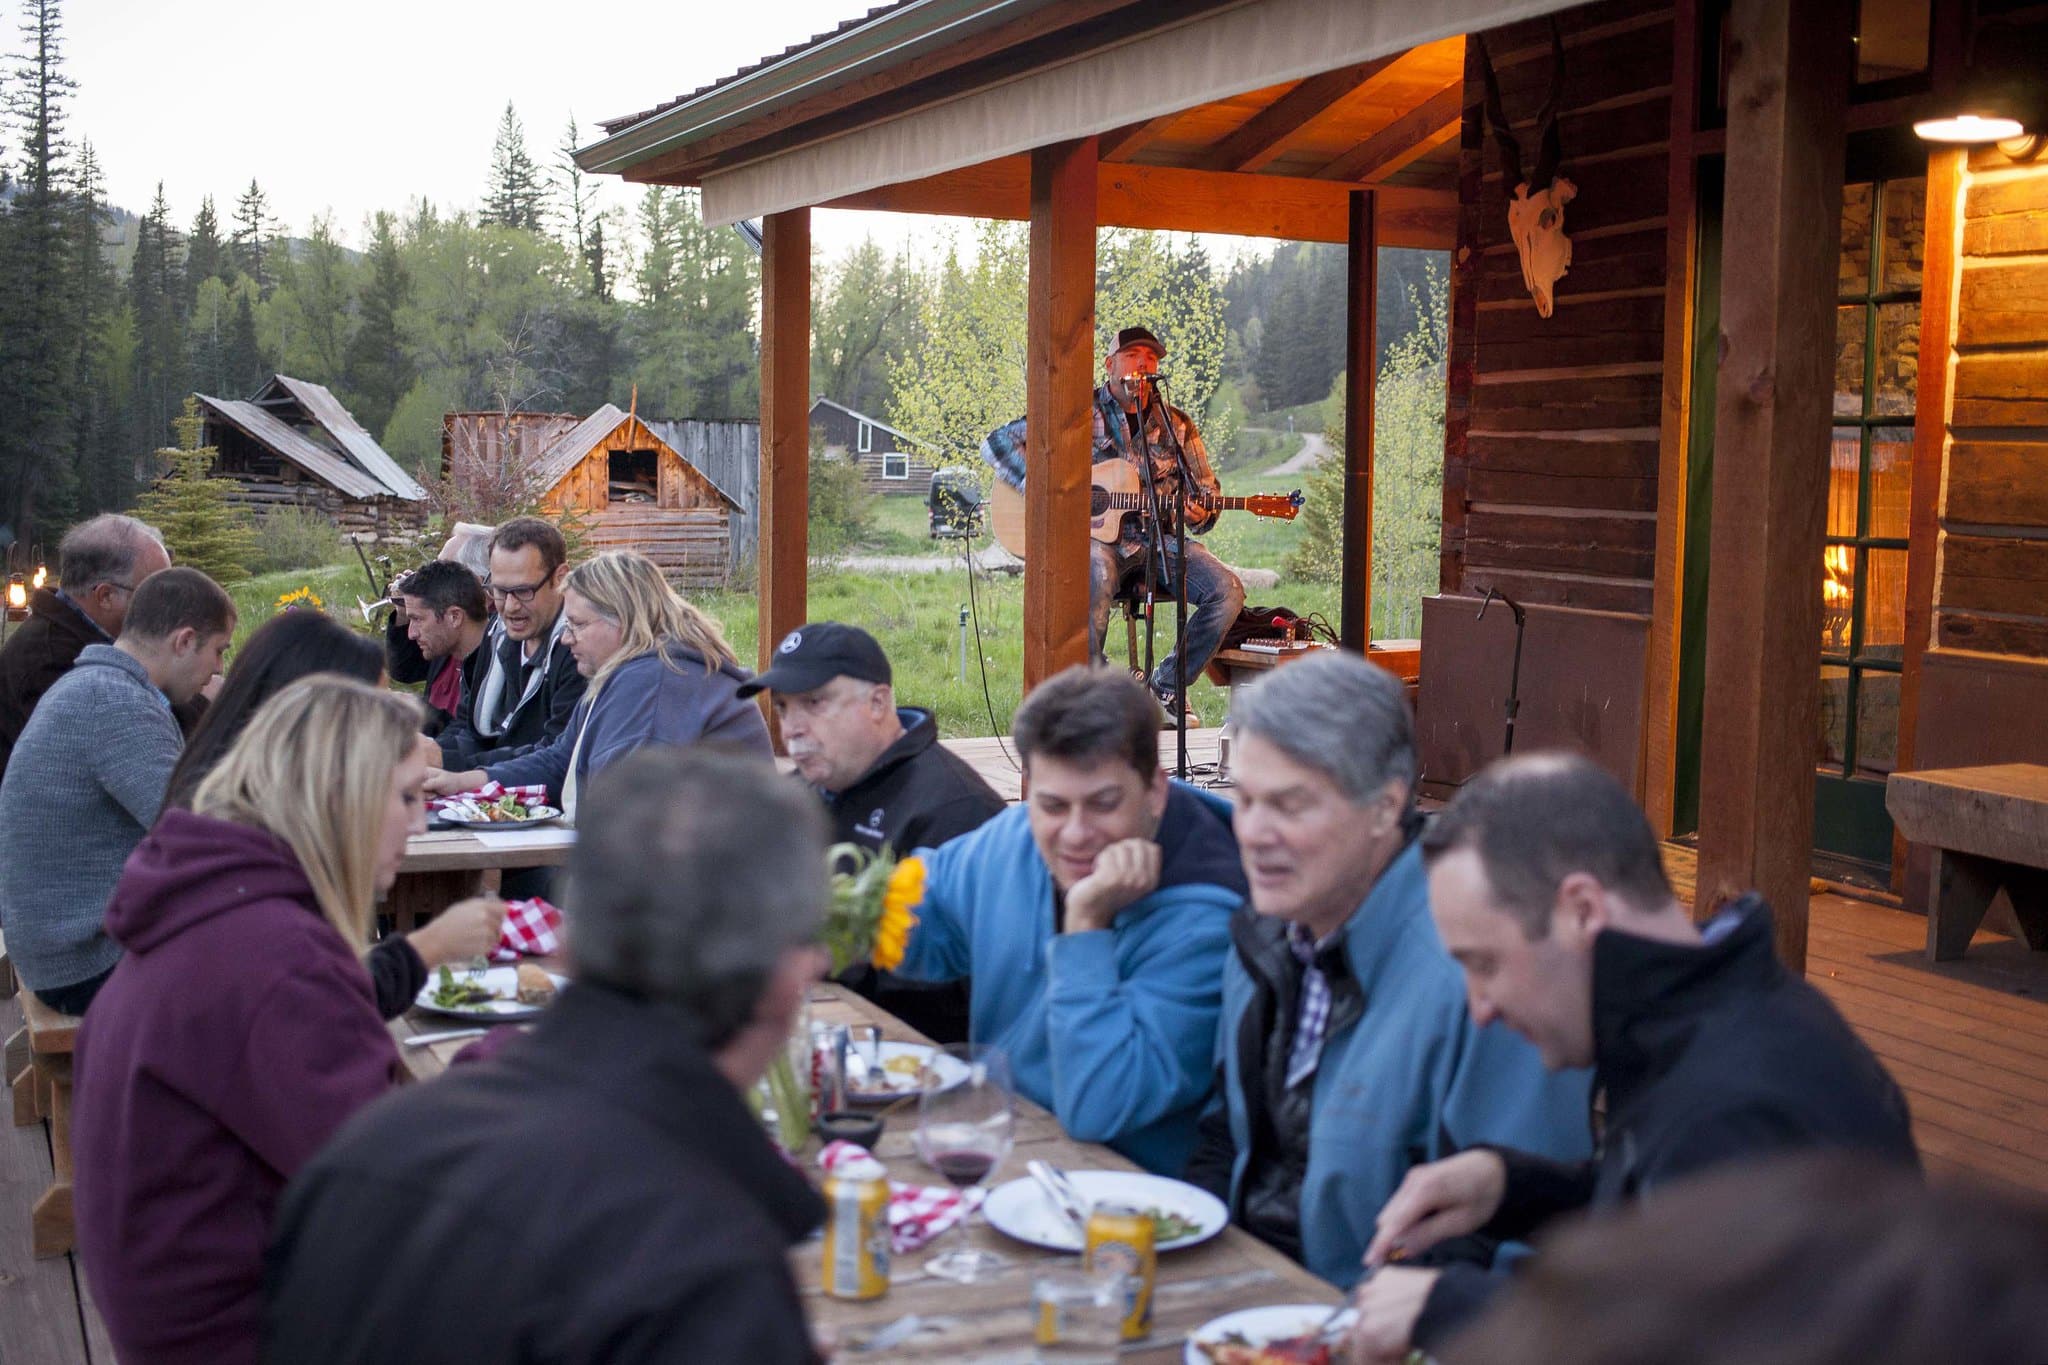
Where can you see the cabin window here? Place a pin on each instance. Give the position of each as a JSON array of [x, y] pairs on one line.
[[867, 437], [895, 465], [635, 477], [1893, 47], [1870, 475]]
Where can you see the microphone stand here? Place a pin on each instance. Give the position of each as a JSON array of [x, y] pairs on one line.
[[1152, 527], [1180, 584]]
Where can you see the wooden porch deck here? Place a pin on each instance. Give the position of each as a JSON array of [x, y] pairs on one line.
[[1968, 1041]]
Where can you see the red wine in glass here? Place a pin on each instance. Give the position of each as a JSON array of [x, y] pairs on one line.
[[963, 1168]]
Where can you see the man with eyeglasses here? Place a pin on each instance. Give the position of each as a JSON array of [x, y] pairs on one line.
[[100, 563], [525, 696]]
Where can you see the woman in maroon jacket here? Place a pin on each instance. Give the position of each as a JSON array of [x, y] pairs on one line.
[[240, 1028]]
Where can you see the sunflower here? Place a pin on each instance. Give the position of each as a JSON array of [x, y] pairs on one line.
[[904, 893], [301, 598]]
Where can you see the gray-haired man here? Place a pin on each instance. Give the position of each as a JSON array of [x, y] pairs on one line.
[[652, 1218], [100, 563], [1345, 1050]]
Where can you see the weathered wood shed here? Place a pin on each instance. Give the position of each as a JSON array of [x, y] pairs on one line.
[[628, 488], [889, 461], [295, 445]]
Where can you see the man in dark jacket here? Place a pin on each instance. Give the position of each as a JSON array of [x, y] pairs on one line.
[[100, 563], [436, 636], [885, 779], [529, 686], [612, 1153], [1547, 885]]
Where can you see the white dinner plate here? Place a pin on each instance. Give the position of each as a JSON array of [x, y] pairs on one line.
[[535, 815], [1260, 1326], [500, 981], [950, 1071], [1020, 1209]]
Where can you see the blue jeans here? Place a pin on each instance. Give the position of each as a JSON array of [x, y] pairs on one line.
[[1215, 597]]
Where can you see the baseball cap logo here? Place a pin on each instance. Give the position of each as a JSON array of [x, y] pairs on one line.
[[790, 642]]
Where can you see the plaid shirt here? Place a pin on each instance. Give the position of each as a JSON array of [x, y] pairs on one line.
[[1312, 1017], [1003, 449]]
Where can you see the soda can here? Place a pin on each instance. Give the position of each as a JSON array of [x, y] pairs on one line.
[[1120, 1239], [856, 1237]]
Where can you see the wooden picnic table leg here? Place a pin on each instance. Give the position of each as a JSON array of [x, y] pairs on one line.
[[417, 897], [52, 1229]]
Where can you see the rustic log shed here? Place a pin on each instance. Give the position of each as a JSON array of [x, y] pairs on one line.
[[627, 487], [1581, 472], [295, 445]]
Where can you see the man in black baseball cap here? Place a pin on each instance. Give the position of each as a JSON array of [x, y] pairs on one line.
[[884, 777]]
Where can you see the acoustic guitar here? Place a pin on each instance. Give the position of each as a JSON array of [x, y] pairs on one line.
[[1115, 494]]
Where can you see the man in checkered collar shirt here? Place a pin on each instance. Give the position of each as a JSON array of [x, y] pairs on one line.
[[1345, 1053]]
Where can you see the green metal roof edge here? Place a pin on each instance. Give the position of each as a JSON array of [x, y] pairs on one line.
[[894, 38]]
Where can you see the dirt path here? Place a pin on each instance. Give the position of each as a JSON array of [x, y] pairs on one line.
[[993, 558], [1313, 448]]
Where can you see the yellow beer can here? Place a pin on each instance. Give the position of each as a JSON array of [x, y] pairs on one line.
[[856, 1237], [1120, 1239]]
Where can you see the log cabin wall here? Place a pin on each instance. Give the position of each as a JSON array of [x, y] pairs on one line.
[[1552, 424], [1983, 677]]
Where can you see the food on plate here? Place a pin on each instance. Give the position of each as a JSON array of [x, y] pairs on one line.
[[466, 993], [536, 987], [1168, 1226], [896, 1075], [1234, 1349]]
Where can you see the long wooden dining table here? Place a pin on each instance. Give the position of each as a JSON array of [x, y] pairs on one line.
[[443, 866], [987, 1323]]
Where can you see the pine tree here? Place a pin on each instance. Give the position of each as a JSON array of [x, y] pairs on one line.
[[159, 377], [202, 528], [254, 228], [106, 468], [39, 357], [242, 363], [516, 197], [207, 256], [378, 375]]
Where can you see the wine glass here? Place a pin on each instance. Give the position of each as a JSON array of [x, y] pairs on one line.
[[964, 1130]]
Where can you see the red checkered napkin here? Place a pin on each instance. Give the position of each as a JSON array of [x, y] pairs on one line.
[[532, 929], [917, 1213], [535, 794]]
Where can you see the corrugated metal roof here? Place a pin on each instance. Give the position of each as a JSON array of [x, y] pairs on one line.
[[323, 407], [565, 454], [613, 125], [323, 465]]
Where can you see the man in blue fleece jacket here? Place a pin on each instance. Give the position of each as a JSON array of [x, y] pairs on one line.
[[1346, 1051], [1093, 920]]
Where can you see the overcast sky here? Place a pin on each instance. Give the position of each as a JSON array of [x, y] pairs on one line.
[[356, 107]]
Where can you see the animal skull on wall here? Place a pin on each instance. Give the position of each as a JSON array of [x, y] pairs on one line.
[[1536, 202]]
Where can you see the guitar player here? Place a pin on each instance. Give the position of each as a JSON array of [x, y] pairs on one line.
[[1126, 399]]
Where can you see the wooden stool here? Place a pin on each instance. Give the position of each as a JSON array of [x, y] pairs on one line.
[[1988, 830], [50, 1039]]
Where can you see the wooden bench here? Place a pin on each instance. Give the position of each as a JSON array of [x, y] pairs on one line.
[[47, 1081], [1988, 830]]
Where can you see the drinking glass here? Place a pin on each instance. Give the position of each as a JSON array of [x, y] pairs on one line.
[[1077, 1314], [964, 1130]]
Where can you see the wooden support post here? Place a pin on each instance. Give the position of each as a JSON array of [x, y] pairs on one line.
[[1787, 100], [785, 429], [1059, 386], [1361, 370]]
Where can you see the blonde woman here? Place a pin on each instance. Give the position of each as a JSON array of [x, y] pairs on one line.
[[660, 673], [240, 1028]]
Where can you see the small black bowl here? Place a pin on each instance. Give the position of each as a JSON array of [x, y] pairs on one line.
[[861, 1129]]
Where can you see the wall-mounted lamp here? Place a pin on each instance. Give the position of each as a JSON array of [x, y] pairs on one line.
[[1999, 97]]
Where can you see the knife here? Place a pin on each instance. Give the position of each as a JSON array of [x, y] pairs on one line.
[[1061, 1192], [429, 1039]]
